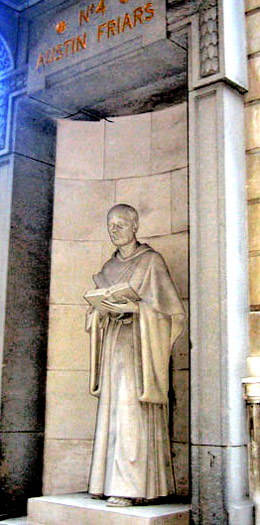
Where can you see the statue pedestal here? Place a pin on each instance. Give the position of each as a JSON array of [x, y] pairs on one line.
[[81, 509]]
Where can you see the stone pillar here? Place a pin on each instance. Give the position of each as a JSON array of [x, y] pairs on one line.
[[219, 303], [27, 146], [28, 177]]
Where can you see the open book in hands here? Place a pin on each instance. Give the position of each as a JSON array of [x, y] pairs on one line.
[[118, 293]]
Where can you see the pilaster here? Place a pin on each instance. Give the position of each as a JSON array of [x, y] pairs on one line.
[[218, 264], [27, 149]]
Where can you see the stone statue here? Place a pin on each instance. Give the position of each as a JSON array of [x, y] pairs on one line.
[[131, 344]]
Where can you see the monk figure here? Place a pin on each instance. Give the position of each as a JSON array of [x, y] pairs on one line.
[[131, 344]]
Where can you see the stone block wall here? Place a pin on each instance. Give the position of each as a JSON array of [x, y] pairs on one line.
[[140, 160], [252, 112]]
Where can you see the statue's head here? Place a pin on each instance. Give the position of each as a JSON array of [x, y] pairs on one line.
[[122, 224]]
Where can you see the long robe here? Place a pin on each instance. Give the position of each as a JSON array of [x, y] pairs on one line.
[[129, 373]]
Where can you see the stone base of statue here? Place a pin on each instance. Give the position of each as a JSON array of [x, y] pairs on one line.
[[82, 509]]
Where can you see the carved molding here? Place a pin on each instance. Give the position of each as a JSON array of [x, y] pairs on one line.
[[6, 59], [11, 83], [3, 117], [209, 44], [10, 86]]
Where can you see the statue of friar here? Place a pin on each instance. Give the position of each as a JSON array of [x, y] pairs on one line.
[[131, 344]]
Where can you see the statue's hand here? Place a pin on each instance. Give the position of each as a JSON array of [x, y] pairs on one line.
[[121, 308]]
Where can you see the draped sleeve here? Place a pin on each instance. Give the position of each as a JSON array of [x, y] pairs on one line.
[[161, 323], [95, 326]]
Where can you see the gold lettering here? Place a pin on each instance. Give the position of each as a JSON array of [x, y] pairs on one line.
[[138, 13], [66, 45], [100, 31], [59, 52], [111, 28], [118, 25], [149, 9], [40, 61], [81, 42], [83, 17], [101, 8], [49, 59], [127, 22]]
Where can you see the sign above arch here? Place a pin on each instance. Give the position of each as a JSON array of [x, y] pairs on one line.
[[89, 51]]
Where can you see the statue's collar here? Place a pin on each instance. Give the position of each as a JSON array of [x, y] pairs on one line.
[[141, 248]]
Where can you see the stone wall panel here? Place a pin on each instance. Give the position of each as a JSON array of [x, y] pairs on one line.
[[63, 456], [151, 196], [254, 332], [169, 139], [81, 150], [254, 226], [68, 344], [81, 208], [253, 175], [254, 281], [73, 264], [253, 42], [253, 79], [128, 147], [181, 406], [181, 468], [70, 410], [252, 116], [251, 4], [179, 216]]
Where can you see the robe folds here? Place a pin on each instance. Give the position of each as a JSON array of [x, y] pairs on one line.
[[130, 376]]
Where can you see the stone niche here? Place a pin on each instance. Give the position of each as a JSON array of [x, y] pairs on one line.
[[141, 160]]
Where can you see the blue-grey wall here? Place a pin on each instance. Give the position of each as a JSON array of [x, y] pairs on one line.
[[28, 139]]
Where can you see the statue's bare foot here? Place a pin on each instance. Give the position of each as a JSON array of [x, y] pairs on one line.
[[119, 502]]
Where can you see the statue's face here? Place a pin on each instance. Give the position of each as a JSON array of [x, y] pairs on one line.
[[121, 228]]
